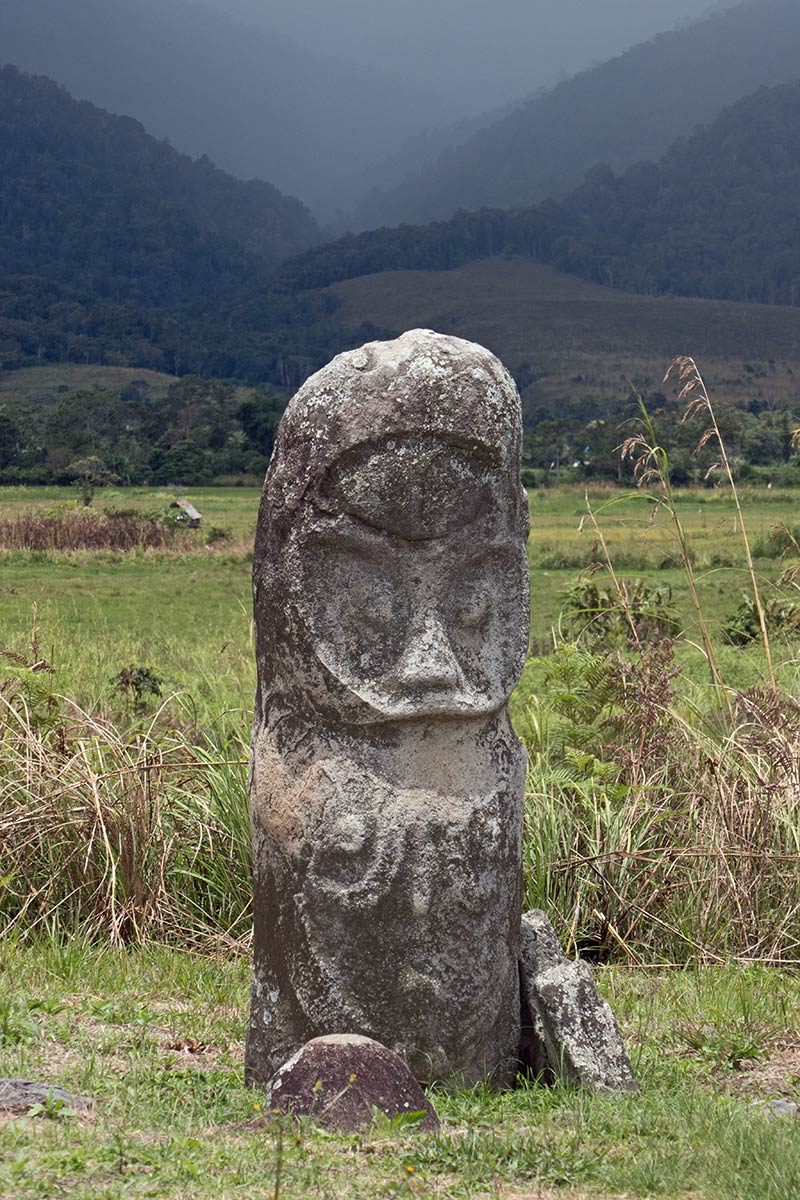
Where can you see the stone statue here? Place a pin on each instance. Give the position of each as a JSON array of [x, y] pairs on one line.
[[391, 607]]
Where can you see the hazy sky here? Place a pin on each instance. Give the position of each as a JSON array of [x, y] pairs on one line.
[[474, 54]]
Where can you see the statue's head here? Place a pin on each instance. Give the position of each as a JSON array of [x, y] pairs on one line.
[[391, 575]]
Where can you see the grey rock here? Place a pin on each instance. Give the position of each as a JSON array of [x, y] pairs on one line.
[[540, 948], [20, 1095], [391, 598], [776, 1108], [569, 1033], [340, 1080]]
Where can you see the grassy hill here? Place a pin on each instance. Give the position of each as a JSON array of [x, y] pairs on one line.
[[574, 345], [36, 385]]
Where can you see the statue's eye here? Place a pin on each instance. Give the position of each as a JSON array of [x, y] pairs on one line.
[[474, 612]]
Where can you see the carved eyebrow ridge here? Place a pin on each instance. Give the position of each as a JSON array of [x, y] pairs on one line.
[[362, 532], [351, 531]]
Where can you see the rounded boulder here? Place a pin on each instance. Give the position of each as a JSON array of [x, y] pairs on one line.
[[341, 1079]]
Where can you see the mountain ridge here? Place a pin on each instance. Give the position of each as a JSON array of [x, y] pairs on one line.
[[113, 243], [214, 85], [630, 108], [716, 217]]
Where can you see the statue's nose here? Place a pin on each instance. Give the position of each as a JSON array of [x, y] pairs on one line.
[[428, 661]]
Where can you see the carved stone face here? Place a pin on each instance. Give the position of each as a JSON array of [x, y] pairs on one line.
[[391, 606], [413, 579]]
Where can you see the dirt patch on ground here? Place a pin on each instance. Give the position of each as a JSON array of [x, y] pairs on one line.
[[773, 1078], [502, 1194]]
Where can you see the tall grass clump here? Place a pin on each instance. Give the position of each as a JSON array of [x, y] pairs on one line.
[[649, 835], [662, 824], [121, 530], [126, 835]]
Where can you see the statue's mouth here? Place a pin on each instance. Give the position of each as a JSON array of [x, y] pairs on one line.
[[431, 704]]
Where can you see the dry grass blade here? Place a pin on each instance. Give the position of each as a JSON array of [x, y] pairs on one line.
[[118, 835], [653, 467], [694, 392]]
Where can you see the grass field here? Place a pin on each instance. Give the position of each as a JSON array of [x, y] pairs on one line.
[[155, 1037], [187, 616]]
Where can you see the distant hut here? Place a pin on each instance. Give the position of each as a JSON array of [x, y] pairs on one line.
[[189, 513]]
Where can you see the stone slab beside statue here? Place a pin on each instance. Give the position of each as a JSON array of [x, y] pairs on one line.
[[391, 593]]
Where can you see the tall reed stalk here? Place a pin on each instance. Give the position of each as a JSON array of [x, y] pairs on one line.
[[651, 466], [693, 391]]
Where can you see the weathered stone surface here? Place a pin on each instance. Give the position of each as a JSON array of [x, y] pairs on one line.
[[339, 1080], [570, 1032], [777, 1108], [20, 1095], [391, 609]]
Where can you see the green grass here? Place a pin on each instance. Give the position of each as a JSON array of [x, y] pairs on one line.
[[187, 617], [156, 1038], [155, 1034]]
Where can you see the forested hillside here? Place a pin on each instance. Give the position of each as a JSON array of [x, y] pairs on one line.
[[86, 160], [716, 217], [115, 248], [630, 108], [254, 101]]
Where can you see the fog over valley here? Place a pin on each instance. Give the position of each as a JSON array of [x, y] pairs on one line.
[[326, 101], [473, 56]]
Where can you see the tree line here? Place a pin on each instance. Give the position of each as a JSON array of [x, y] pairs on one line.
[[198, 432], [203, 431]]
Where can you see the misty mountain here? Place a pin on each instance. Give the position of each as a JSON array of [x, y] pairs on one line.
[[471, 58], [111, 243], [249, 97], [86, 160], [628, 109], [716, 217]]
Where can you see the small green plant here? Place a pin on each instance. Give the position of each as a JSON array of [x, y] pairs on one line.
[[383, 1126], [53, 1108], [16, 1027], [136, 685], [780, 615], [601, 615]]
